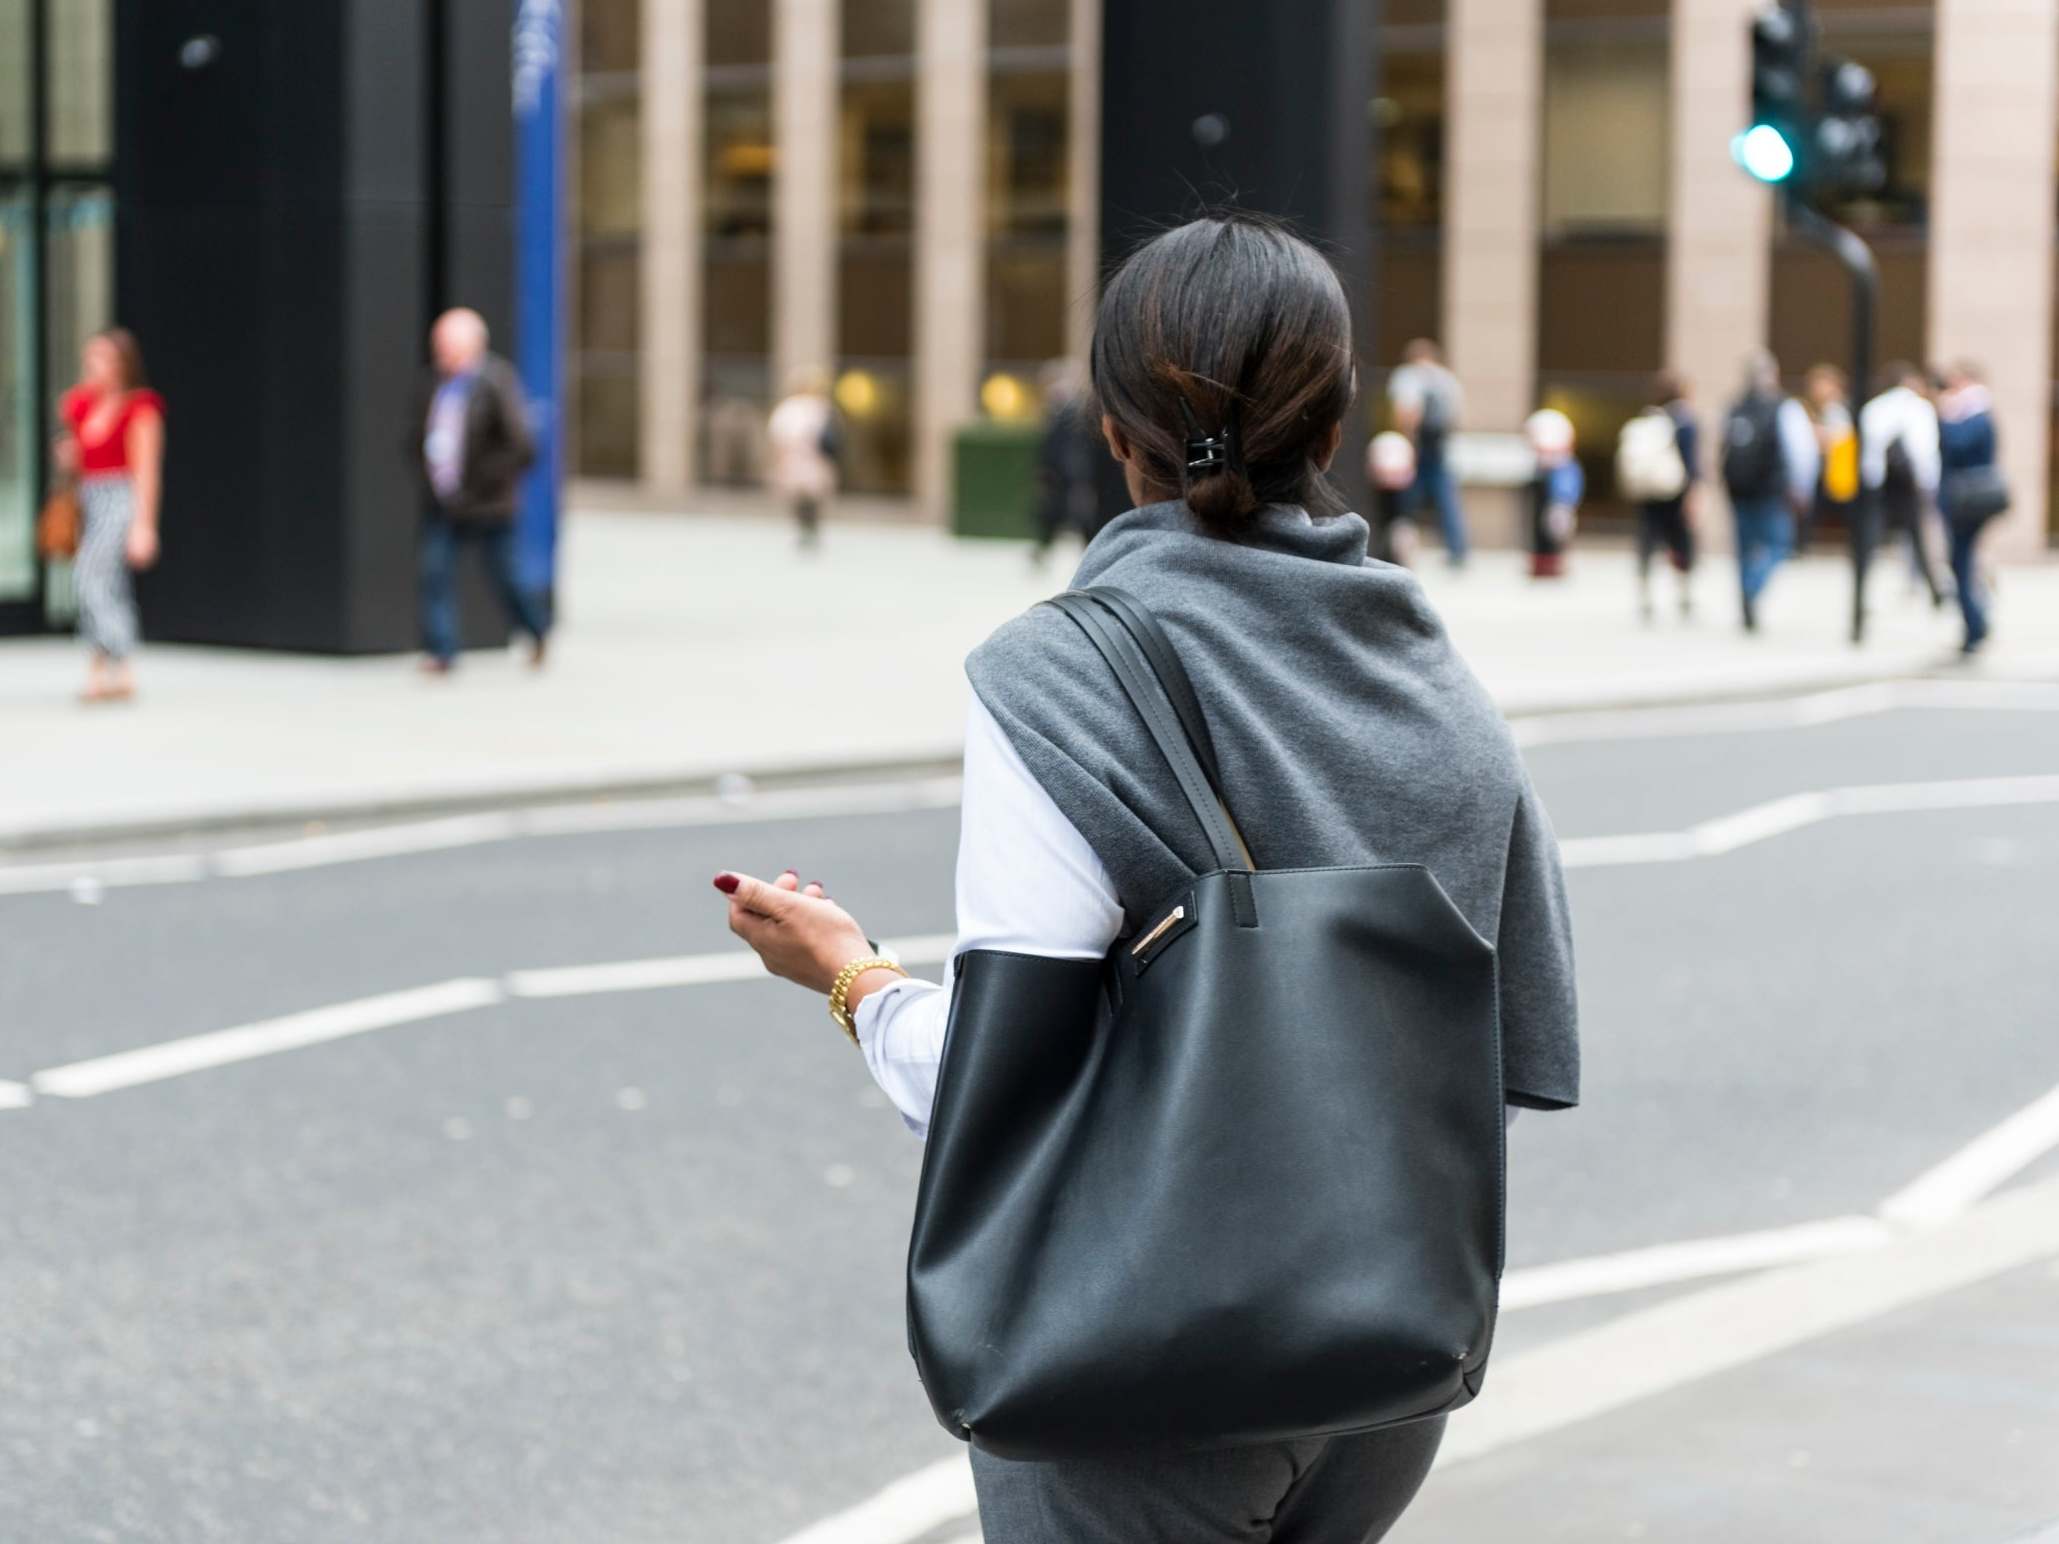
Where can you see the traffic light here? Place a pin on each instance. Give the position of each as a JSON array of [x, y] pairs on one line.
[[1848, 136], [1771, 149]]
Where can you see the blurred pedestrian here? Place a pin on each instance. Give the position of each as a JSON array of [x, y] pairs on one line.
[[1347, 731], [1069, 454], [1899, 431], [1770, 466], [1828, 400], [1428, 403], [1971, 489], [471, 437], [805, 444], [113, 443], [1555, 491], [1658, 468], [1391, 471]]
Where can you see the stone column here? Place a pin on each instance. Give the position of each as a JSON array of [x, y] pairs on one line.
[[1083, 192], [1719, 228], [1493, 136], [674, 33], [1991, 229], [806, 91], [950, 233]]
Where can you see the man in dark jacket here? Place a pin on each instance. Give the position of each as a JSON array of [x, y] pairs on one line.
[[471, 438]]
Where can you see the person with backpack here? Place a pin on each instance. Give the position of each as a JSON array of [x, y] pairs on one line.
[[1427, 401], [1658, 461], [1202, 1194], [1900, 472], [1770, 465]]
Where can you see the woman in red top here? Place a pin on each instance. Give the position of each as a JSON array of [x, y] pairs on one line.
[[113, 441]]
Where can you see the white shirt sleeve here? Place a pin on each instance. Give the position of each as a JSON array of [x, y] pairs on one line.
[[1027, 883], [1803, 455]]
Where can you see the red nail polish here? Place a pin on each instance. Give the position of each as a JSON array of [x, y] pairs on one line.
[[727, 883], [795, 872]]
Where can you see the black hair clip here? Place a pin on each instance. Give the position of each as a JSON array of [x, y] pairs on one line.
[[1208, 454]]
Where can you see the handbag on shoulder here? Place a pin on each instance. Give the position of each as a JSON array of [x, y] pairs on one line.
[[1239, 1182], [57, 524], [1974, 495]]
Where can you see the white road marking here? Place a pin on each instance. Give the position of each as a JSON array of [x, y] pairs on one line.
[[904, 1511], [1796, 811], [911, 794], [15, 1096], [41, 878], [1978, 1168], [1596, 1371], [357, 846], [196, 1053], [691, 970], [1696, 1259], [1667, 723], [904, 796]]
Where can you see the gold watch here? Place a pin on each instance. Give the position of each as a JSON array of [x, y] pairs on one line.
[[840, 991]]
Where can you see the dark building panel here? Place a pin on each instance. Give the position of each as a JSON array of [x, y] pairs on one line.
[[301, 188], [1258, 104]]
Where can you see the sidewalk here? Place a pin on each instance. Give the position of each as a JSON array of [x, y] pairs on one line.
[[695, 647]]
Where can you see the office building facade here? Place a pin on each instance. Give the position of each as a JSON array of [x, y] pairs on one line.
[[903, 193]]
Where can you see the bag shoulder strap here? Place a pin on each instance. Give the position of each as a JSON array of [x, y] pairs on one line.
[[1137, 619], [1108, 629]]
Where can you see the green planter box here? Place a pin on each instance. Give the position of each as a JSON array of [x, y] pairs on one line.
[[994, 480]]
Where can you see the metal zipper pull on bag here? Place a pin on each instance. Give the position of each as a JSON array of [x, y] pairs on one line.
[[1239, 1182]]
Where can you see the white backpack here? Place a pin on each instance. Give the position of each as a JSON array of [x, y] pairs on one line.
[[1648, 465]]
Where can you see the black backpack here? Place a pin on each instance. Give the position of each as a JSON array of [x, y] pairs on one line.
[[1753, 466]]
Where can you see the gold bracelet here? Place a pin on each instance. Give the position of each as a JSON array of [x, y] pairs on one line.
[[841, 990]]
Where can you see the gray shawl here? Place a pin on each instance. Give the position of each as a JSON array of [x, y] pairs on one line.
[[1348, 729]]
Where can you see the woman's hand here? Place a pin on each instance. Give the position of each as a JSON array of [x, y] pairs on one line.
[[141, 546], [64, 453], [796, 930]]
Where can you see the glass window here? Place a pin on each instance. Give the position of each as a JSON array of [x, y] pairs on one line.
[[15, 96], [1408, 114], [739, 32], [81, 119], [875, 29], [1029, 23], [1606, 130], [874, 386], [19, 447], [607, 314], [610, 36], [1028, 179], [1407, 194], [736, 304]]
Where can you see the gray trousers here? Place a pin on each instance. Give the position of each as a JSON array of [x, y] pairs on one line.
[[1327, 1490], [100, 572]]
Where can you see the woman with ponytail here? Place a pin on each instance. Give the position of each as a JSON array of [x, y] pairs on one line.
[[1347, 731]]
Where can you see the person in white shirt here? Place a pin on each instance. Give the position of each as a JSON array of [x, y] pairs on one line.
[[1899, 465]]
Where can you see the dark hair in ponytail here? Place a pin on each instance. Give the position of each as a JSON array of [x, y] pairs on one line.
[[1222, 354]]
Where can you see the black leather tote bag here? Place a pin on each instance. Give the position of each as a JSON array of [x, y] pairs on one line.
[[1239, 1182]]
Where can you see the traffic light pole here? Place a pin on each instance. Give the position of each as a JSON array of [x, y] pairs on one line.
[[1857, 260]]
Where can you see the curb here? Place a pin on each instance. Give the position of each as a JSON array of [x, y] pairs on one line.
[[203, 819]]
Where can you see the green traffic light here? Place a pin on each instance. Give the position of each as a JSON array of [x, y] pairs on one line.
[[1764, 152]]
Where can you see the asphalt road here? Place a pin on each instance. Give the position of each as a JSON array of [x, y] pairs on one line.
[[625, 1267]]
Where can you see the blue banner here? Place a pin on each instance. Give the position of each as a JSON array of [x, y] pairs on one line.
[[540, 276]]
